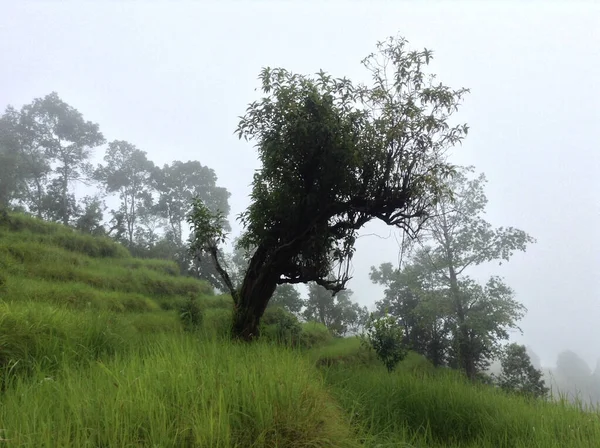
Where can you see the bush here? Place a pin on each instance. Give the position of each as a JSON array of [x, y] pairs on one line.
[[385, 336], [280, 325], [314, 334], [191, 314]]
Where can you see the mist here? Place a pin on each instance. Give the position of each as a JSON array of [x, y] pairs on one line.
[[173, 78]]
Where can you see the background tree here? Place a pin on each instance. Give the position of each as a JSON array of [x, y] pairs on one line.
[[28, 163], [177, 184], [519, 375], [416, 298], [68, 140], [333, 157], [92, 216], [455, 238], [127, 172], [490, 311], [286, 296], [337, 312], [12, 175]]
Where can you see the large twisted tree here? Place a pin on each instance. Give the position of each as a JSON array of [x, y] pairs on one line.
[[334, 156]]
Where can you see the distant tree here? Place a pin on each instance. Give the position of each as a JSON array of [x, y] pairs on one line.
[[413, 297], [68, 140], [127, 172], [148, 230], [286, 296], [519, 375], [27, 164], [92, 215], [177, 184], [535, 359], [12, 172], [335, 156], [337, 312], [455, 238]]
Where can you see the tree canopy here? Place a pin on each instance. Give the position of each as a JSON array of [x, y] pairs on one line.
[[449, 316], [334, 156]]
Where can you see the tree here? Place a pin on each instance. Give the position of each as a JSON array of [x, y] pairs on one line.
[[127, 172], [177, 184], [385, 336], [27, 165], [337, 312], [519, 375], [455, 238], [335, 156], [286, 296], [413, 297], [92, 215], [12, 175], [67, 140]]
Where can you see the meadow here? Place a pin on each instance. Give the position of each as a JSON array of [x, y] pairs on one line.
[[93, 353]]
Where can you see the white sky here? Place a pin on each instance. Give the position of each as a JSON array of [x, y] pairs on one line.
[[172, 78]]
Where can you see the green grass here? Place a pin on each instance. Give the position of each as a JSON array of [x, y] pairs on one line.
[[444, 410], [178, 391], [93, 354]]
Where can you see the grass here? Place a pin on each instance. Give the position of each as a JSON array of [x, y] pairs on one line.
[[178, 392], [93, 354]]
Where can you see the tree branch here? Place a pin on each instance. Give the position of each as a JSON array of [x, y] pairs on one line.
[[223, 273]]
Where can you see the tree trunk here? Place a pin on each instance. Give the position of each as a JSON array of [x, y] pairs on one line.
[[256, 291], [65, 197]]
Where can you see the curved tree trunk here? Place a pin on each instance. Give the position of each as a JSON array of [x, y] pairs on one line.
[[253, 299], [258, 287]]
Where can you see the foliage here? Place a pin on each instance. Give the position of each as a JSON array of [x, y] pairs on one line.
[[91, 217], [314, 334], [191, 314], [287, 297], [386, 337], [207, 234], [282, 326], [177, 184], [338, 313], [46, 146], [466, 321], [422, 310], [519, 375], [127, 172], [335, 156]]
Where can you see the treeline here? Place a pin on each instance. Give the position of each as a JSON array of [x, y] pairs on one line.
[[47, 147]]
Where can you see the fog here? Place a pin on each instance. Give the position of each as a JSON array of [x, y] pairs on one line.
[[173, 77]]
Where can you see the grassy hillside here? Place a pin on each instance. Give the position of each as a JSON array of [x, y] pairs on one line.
[[92, 353]]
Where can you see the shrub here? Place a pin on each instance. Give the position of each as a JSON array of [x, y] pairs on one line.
[[281, 325], [191, 314], [314, 334], [385, 336]]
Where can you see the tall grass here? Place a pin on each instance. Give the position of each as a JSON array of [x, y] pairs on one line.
[[178, 392], [44, 336], [443, 409], [93, 354]]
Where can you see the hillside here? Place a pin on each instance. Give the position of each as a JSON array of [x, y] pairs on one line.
[[92, 353]]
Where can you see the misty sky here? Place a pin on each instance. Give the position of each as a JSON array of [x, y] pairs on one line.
[[173, 77]]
